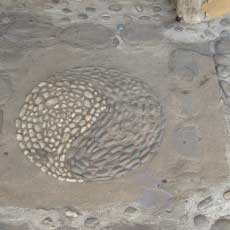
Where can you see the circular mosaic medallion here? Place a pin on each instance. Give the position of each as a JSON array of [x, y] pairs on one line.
[[88, 124]]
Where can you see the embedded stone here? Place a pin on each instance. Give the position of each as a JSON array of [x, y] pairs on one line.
[[91, 222]]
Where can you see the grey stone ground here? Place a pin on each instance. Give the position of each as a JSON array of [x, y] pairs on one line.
[[186, 185]]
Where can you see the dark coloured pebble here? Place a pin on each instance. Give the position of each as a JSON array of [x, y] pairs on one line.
[[6, 153], [90, 9], [66, 10], [1, 120], [200, 220], [116, 42], [207, 202], [144, 18], [83, 16], [91, 222], [178, 28], [156, 9], [47, 221], [115, 7], [130, 210]]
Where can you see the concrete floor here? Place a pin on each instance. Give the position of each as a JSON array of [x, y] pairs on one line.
[[186, 185]]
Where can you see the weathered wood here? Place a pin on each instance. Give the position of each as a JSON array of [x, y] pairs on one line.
[[190, 10]]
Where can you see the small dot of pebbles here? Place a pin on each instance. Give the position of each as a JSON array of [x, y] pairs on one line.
[[227, 195], [130, 210], [115, 7], [91, 222]]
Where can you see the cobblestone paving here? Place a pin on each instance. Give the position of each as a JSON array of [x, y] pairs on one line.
[[86, 90]]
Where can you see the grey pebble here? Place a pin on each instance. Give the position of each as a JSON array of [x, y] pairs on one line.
[[130, 210], [91, 222], [156, 9], [223, 71], [207, 202]]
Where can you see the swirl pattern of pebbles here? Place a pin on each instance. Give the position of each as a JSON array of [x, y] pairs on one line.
[[90, 123]]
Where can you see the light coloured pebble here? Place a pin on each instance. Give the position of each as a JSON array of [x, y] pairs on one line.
[[83, 129], [88, 117], [38, 100], [52, 101], [21, 145], [62, 158], [19, 137], [60, 149], [35, 90], [26, 152], [82, 122], [65, 137], [87, 104], [18, 123], [42, 84], [37, 128], [88, 94], [74, 131], [77, 119]]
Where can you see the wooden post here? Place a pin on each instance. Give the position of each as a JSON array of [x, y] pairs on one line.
[[190, 10]]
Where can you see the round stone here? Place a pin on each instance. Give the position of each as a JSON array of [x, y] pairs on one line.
[[92, 138]]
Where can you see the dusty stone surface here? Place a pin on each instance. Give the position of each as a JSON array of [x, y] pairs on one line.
[[127, 50]]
